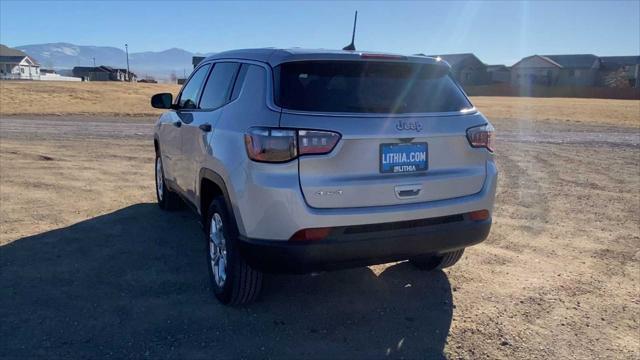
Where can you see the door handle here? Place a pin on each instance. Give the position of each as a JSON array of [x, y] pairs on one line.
[[205, 127], [408, 191], [177, 123]]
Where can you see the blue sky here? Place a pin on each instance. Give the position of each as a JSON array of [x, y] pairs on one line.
[[496, 31]]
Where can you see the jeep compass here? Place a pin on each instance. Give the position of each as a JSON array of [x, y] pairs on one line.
[[311, 160]]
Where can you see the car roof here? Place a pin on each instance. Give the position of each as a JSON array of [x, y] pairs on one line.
[[274, 56]]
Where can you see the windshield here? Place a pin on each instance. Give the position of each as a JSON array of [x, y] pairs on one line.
[[367, 87]]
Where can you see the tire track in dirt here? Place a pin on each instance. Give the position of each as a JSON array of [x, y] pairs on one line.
[[521, 188]]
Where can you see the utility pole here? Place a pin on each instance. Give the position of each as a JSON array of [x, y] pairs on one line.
[[126, 49], [94, 61]]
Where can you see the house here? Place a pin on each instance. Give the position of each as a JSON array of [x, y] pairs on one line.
[[556, 70], [620, 71], [16, 65], [126, 76], [92, 73], [498, 74], [103, 73], [466, 68], [195, 60]]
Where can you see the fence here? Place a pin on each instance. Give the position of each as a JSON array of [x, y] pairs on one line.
[[19, 77], [552, 91]]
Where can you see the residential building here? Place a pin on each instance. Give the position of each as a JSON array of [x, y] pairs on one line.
[[556, 70], [16, 65], [195, 60], [620, 71], [103, 73], [466, 68], [498, 74]]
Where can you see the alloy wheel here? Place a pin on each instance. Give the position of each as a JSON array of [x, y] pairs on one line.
[[218, 250]]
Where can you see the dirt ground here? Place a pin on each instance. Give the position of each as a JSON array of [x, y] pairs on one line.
[[90, 267]]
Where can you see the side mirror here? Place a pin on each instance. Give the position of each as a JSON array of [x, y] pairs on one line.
[[162, 101]]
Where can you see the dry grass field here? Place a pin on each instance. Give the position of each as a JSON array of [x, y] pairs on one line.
[[580, 111], [125, 99], [79, 98], [90, 267]]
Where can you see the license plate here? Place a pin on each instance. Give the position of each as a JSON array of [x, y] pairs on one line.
[[403, 158]]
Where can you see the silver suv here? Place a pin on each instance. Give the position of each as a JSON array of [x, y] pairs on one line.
[[310, 160]]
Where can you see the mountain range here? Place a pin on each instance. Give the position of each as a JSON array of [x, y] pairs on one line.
[[157, 64]]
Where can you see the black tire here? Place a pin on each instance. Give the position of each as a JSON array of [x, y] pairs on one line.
[[439, 262], [242, 283], [167, 199]]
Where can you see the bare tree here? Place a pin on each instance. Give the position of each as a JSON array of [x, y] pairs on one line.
[[173, 77]]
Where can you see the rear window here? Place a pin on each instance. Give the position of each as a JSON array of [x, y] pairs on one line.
[[367, 87]]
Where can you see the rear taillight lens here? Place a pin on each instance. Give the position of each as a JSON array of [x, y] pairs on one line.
[[271, 145], [281, 145], [482, 136], [316, 142]]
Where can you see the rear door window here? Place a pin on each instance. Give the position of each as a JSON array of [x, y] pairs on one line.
[[217, 91], [367, 87], [191, 90], [239, 83]]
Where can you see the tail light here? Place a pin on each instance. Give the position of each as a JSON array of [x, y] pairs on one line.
[[316, 142], [280, 145], [482, 136], [271, 145]]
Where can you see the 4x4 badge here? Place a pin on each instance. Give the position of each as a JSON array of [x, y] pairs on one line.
[[409, 125]]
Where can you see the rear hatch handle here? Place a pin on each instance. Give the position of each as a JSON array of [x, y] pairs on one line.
[[408, 191]]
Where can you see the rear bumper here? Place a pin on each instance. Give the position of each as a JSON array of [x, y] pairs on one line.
[[269, 204], [356, 246]]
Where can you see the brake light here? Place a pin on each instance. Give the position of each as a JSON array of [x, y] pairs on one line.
[[316, 142], [482, 136], [382, 56], [280, 145]]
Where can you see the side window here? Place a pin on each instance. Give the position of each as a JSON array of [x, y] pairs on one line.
[[191, 90], [216, 92], [237, 86]]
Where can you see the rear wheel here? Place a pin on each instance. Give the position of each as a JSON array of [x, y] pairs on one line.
[[234, 282], [433, 262], [167, 199]]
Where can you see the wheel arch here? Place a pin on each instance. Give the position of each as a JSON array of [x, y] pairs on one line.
[[211, 185]]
